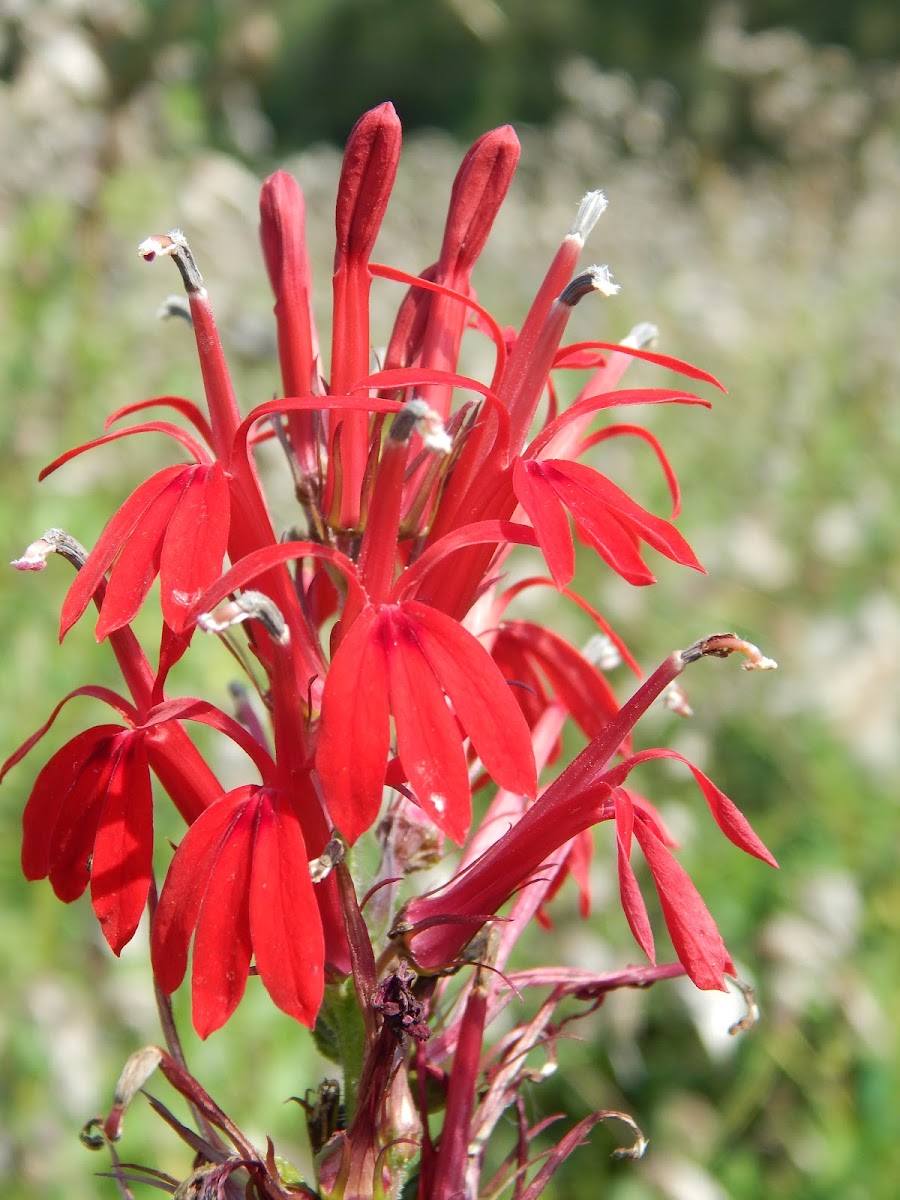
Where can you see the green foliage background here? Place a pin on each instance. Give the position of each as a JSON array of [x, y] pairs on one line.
[[752, 167]]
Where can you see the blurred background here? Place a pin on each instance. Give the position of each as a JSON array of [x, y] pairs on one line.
[[751, 156]]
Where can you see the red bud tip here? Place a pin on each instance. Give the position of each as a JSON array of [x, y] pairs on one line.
[[479, 189], [367, 177]]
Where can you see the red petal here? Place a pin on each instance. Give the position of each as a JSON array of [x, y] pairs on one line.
[[612, 431], [258, 562], [195, 543], [726, 814], [517, 669], [694, 933], [64, 774], [117, 531], [428, 739], [113, 699], [222, 948], [578, 684], [123, 847], [73, 838], [662, 360], [187, 408], [480, 696], [193, 447], [729, 817], [138, 563], [602, 527], [593, 404], [185, 887], [588, 486], [284, 916], [355, 735], [548, 517], [580, 869], [629, 892], [186, 708]]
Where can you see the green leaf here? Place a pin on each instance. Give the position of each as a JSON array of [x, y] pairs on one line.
[[340, 1037]]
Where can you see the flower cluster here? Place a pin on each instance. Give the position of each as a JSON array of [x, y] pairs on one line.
[[392, 684]]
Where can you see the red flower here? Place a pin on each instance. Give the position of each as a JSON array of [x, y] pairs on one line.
[[89, 820], [410, 499], [239, 884], [437, 927], [408, 660], [607, 519], [176, 526]]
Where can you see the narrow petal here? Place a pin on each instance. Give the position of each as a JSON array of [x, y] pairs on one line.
[[693, 931], [138, 562], [355, 735], [222, 948], [726, 814], [579, 865], [577, 683], [113, 699], [185, 887], [518, 670], [548, 517], [51, 796], [629, 892], [123, 848], [195, 543], [574, 478], [729, 817], [429, 743], [480, 696], [284, 917], [117, 531]]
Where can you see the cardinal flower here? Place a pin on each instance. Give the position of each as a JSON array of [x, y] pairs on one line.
[[89, 818], [240, 886], [412, 662], [378, 641], [174, 525], [607, 519], [437, 927]]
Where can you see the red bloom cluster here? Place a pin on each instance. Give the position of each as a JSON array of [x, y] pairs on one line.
[[378, 638]]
